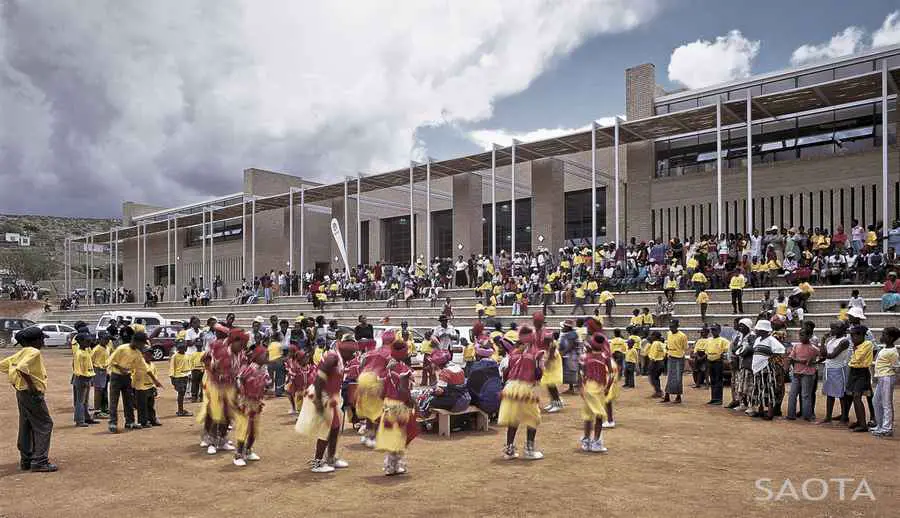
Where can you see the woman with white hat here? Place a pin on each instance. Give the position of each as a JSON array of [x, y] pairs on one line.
[[766, 350], [836, 355]]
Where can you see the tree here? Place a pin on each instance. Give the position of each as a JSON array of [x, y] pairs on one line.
[[27, 263]]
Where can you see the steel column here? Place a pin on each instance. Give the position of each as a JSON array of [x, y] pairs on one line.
[[494, 201], [428, 250], [512, 208], [290, 238], [719, 218], [253, 237], [412, 219], [593, 194], [616, 167], [358, 219], [885, 197], [302, 236], [749, 223]]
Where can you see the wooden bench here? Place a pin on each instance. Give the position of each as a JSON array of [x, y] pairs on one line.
[[443, 417]]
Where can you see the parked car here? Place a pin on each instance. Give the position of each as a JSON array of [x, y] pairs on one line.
[[418, 336], [57, 334], [162, 341], [149, 319], [9, 326]]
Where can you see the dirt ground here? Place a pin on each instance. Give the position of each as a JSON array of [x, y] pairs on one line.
[[689, 460]]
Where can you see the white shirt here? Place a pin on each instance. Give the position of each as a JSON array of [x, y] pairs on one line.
[[461, 266], [857, 302], [190, 336], [841, 360], [761, 360]]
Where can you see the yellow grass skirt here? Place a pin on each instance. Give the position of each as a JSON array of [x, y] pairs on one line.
[[369, 402], [615, 389], [594, 396], [218, 403], [519, 405], [247, 421], [311, 423], [392, 429], [553, 372]]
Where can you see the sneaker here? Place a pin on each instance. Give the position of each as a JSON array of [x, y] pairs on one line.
[[253, 456], [585, 444], [609, 424], [553, 409], [319, 466], [44, 468], [211, 450], [204, 442], [239, 461], [740, 408], [532, 454], [292, 413], [337, 463], [509, 452], [597, 446], [113, 429], [227, 446], [370, 443], [361, 430], [363, 439], [549, 408], [183, 413], [81, 425]]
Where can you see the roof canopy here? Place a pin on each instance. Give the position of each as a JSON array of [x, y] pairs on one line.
[[834, 93]]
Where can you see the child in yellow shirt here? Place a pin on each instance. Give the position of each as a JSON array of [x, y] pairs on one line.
[[631, 359], [145, 381], [100, 360], [656, 354], [180, 374], [197, 369], [82, 374], [703, 302]]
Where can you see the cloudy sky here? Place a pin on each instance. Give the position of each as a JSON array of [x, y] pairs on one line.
[[167, 102]]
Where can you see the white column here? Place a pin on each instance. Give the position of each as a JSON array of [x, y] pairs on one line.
[[175, 257], [302, 236], [117, 261], [252, 238], [358, 219], [346, 215], [212, 273], [885, 197], [137, 267], [719, 165], [512, 203], [144, 255], [428, 245], [749, 224], [203, 244], [243, 236], [168, 259], [412, 219], [494, 201], [91, 267], [616, 177], [87, 282], [593, 193], [290, 239]]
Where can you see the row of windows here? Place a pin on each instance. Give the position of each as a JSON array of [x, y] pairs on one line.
[[222, 231], [837, 132], [826, 208], [229, 268], [779, 85]]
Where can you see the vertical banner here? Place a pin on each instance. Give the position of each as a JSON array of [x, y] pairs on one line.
[[338, 238]]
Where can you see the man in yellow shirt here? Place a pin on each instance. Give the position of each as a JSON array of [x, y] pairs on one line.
[[27, 374], [608, 300], [656, 355], [703, 302], [699, 364], [676, 346], [145, 381], [180, 373], [122, 362], [715, 350], [736, 285], [699, 281], [82, 374], [100, 360], [859, 382]]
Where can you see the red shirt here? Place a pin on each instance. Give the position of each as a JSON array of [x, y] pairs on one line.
[[396, 383], [351, 370], [301, 376], [376, 361], [252, 382], [892, 287], [333, 367], [801, 353], [523, 365], [596, 367]]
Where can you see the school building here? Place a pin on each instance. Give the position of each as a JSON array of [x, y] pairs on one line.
[[677, 165]]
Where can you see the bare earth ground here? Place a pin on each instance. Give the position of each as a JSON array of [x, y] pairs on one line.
[[690, 460]]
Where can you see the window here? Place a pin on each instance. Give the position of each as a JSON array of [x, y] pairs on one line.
[[504, 223], [364, 241], [815, 78], [222, 231], [578, 214], [161, 275], [779, 86], [397, 239], [854, 70], [442, 233]]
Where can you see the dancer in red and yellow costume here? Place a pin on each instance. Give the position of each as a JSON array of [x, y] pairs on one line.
[[320, 415], [222, 363], [519, 405], [301, 373], [251, 382], [599, 379], [398, 423], [553, 365], [370, 388]]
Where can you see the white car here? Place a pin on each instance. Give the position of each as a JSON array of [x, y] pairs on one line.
[[57, 334]]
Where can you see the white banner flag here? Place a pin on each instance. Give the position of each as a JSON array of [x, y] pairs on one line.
[[339, 239]]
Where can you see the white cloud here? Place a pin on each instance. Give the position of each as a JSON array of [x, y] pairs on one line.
[[486, 137], [889, 32], [849, 41], [704, 63], [166, 101]]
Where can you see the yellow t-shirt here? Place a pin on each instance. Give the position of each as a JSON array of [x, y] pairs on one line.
[[124, 359], [631, 355], [141, 376], [579, 292], [637, 320], [700, 345], [617, 344], [806, 288], [861, 358], [703, 298], [100, 357], [180, 365], [671, 284], [426, 347], [469, 353], [676, 344], [82, 365], [605, 296], [564, 264], [317, 355], [579, 260], [698, 277], [842, 314], [871, 238], [512, 335], [647, 319], [274, 351], [737, 282], [197, 361], [592, 285], [656, 351], [692, 264], [887, 359], [486, 286], [781, 308], [180, 335], [716, 347], [547, 289], [479, 307], [491, 311], [27, 361]]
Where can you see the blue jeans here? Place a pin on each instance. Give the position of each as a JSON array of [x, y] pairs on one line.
[[82, 385], [802, 386]]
